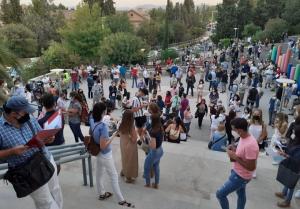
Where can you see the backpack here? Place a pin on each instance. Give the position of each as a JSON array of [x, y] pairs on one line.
[[91, 146]]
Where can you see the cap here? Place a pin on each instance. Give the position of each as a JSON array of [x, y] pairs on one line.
[[19, 103]]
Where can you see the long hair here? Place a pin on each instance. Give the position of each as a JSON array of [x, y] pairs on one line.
[[127, 122], [261, 122], [156, 125]]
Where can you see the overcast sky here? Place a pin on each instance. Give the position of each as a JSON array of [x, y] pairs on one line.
[[130, 3]]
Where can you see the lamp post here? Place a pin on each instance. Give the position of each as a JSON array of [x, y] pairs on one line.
[[235, 32]]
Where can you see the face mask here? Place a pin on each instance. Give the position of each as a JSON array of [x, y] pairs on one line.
[[235, 134], [23, 119], [256, 117]]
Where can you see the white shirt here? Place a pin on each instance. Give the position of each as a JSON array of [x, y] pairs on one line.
[[116, 73], [137, 102], [145, 73]]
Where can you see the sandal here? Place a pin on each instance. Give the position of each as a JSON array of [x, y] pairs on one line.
[[126, 204], [105, 196]]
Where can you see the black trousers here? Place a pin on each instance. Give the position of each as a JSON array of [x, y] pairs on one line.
[[200, 119], [192, 89], [90, 93]]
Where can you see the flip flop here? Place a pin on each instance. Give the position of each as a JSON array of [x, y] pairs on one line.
[[105, 196], [126, 204]]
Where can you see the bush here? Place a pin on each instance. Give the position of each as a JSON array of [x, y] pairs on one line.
[[37, 69], [165, 54], [259, 36], [250, 30], [19, 39], [225, 43], [274, 29], [58, 56], [123, 48]]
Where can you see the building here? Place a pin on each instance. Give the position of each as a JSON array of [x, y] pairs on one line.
[[137, 17]]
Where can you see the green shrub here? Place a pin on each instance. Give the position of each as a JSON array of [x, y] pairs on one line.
[[165, 54]]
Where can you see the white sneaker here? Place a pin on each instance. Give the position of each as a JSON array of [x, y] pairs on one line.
[[297, 194]]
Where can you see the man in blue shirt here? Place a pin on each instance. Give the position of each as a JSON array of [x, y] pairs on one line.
[[123, 72], [16, 129], [174, 68]]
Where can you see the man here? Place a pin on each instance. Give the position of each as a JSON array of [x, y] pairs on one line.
[[75, 79], [90, 83], [244, 159], [252, 94], [190, 81], [134, 75], [116, 74], [123, 72], [137, 108], [16, 129], [146, 76]]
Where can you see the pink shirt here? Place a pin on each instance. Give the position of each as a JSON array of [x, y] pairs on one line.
[[247, 150]]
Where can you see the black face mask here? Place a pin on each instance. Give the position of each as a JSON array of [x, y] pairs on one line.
[[24, 119], [256, 117]]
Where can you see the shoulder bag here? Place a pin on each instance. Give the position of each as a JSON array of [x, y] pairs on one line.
[[32, 175], [211, 143], [91, 146]]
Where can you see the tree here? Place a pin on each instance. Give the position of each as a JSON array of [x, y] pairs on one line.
[[244, 14], [118, 23], [226, 19], [123, 48], [84, 34], [275, 28], [19, 39], [250, 30], [58, 56], [7, 59], [179, 29], [292, 12], [168, 18], [109, 8], [169, 53], [260, 14], [275, 8], [150, 31], [11, 11]]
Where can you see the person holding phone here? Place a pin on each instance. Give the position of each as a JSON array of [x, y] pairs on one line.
[[244, 158]]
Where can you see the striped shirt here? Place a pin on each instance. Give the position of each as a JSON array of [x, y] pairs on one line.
[[136, 102]]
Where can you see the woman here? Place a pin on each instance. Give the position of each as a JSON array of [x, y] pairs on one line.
[[168, 103], [292, 152], [157, 78], [128, 145], [113, 93], [160, 103], [228, 119], [258, 130], [173, 130], [97, 92], [187, 119], [74, 112], [247, 113], [217, 119], [105, 161], [122, 92], [213, 97], [281, 126], [152, 160], [200, 88], [219, 139], [234, 103], [201, 111]]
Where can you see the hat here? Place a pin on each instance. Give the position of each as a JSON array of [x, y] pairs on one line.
[[19, 103]]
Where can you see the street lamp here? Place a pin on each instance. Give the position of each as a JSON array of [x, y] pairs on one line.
[[235, 32]]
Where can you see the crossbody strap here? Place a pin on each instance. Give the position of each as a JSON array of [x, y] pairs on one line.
[[218, 140], [31, 128]]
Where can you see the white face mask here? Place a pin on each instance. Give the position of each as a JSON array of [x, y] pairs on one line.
[[235, 134]]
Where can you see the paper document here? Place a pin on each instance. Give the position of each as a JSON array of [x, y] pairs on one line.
[[38, 140]]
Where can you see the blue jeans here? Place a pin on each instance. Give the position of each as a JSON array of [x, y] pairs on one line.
[[187, 127], [152, 161], [288, 193], [134, 80], [234, 183], [75, 128]]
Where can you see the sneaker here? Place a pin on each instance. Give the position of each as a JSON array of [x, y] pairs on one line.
[[297, 194], [280, 195]]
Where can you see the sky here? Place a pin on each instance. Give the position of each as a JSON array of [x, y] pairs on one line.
[[129, 3]]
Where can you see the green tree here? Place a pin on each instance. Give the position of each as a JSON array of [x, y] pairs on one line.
[[150, 31], [58, 56], [260, 14], [19, 39], [226, 20], [123, 48], [179, 29], [7, 59], [11, 11], [274, 28], [168, 18], [244, 14], [169, 53], [109, 8], [292, 12], [250, 30], [84, 33], [118, 23]]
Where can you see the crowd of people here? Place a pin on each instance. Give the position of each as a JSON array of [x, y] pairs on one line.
[[152, 115]]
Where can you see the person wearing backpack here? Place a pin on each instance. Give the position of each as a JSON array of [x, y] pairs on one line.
[[74, 112], [104, 160]]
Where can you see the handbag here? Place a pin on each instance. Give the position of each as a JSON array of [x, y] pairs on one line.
[[31, 175], [91, 146], [183, 136], [211, 143], [288, 173]]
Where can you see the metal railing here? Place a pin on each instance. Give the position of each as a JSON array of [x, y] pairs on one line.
[[68, 153]]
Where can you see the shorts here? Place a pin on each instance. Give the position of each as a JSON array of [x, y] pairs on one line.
[[140, 122]]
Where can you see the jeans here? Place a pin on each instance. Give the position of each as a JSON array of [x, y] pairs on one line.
[[49, 196], [288, 193], [271, 117], [134, 80], [146, 81], [75, 86], [76, 130], [200, 119], [192, 89], [107, 164], [153, 160], [234, 183], [113, 101], [90, 93], [187, 127]]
